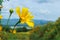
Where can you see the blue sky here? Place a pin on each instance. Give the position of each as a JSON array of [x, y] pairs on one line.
[[41, 9]]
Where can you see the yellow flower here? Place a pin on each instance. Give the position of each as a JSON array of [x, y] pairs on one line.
[[25, 16], [0, 28], [14, 31], [1, 16]]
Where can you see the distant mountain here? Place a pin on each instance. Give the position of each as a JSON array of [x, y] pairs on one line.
[[14, 21], [40, 22]]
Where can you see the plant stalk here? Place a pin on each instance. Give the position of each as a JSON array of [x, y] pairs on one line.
[[8, 19], [16, 24]]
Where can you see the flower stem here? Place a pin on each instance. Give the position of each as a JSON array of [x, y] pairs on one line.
[[16, 24], [8, 19]]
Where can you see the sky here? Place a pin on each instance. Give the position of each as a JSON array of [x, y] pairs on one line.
[[41, 9]]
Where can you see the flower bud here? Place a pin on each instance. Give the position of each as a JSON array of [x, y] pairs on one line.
[[11, 11], [14, 31]]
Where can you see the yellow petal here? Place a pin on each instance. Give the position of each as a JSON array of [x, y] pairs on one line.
[[24, 11], [30, 24], [1, 16], [29, 17], [18, 11]]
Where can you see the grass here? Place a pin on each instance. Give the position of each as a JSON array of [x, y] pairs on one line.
[[17, 36]]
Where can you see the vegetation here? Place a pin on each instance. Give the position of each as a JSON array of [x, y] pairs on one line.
[[50, 31]]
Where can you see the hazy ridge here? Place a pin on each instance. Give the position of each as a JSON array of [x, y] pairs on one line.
[[14, 21]]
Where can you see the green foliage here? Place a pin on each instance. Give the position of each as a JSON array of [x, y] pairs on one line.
[[18, 36], [50, 31], [57, 24]]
